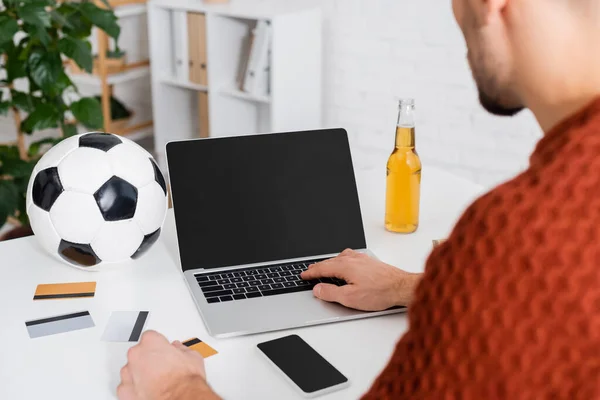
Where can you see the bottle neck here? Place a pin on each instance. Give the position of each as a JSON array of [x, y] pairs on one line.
[[405, 126], [405, 137]]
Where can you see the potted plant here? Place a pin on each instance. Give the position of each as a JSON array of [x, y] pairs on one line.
[[37, 38]]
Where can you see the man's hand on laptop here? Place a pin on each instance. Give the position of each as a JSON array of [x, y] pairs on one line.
[[159, 370], [371, 284]]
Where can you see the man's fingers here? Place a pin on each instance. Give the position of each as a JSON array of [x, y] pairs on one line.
[[126, 375], [133, 353], [153, 338], [330, 269], [177, 344], [347, 252], [330, 293], [126, 392], [328, 261]]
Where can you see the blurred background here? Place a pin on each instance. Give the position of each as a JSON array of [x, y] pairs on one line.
[[374, 53]]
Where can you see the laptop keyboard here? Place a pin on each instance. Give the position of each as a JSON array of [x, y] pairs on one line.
[[261, 281]]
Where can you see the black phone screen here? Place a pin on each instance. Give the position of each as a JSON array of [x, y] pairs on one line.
[[302, 364]]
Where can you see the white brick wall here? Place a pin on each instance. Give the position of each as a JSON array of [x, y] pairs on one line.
[[377, 51]]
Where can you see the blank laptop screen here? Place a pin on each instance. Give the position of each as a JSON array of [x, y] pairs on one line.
[[260, 198]]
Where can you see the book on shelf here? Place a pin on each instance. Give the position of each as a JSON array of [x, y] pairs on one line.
[[264, 74], [181, 68], [197, 48], [203, 118], [256, 77], [245, 57]]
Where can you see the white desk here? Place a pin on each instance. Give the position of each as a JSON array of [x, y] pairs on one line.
[[77, 365]]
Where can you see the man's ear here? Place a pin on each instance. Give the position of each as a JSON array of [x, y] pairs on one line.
[[484, 10]]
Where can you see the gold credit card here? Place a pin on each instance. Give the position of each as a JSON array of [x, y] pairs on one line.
[[200, 347], [65, 290]]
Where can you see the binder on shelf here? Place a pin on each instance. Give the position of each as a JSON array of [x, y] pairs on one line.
[[244, 59], [258, 57], [263, 80], [197, 48], [181, 69], [203, 122]]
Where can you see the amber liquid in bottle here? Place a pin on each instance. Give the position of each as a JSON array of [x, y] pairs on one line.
[[403, 192]]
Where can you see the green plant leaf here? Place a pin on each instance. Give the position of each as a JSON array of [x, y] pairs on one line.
[[24, 101], [63, 81], [78, 50], [14, 67], [34, 148], [22, 182], [9, 199], [18, 169], [22, 208], [33, 87], [39, 32], [37, 3], [69, 130], [78, 25], [4, 107], [34, 13], [103, 19], [107, 4], [8, 154], [44, 116], [24, 47], [10, 3], [88, 111], [117, 53], [45, 69], [3, 218], [60, 20], [8, 28], [117, 109]]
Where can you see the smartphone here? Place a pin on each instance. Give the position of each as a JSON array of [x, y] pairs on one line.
[[302, 366]]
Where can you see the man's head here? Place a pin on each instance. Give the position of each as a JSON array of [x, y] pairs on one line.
[[519, 48]]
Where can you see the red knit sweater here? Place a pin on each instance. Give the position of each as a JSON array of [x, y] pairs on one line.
[[509, 306]]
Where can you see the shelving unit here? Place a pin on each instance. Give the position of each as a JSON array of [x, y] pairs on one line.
[[184, 84], [131, 73], [245, 96], [106, 81], [129, 8], [295, 98]]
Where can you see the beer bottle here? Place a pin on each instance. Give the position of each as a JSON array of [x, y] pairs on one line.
[[403, 175]]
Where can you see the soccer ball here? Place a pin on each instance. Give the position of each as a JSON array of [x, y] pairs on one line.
[[96, 198]]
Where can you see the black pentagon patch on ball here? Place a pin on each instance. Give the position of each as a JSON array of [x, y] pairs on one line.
[[100, 141], [78, 254], [117, 199], [46, 188], [148, 241], [158, 177]]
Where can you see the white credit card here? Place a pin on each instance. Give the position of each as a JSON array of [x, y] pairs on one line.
[[125, 326]]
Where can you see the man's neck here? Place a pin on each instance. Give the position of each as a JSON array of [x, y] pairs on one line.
[[550, 114], [560, 92]]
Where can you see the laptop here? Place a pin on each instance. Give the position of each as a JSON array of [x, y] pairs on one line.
[[251, 213]]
